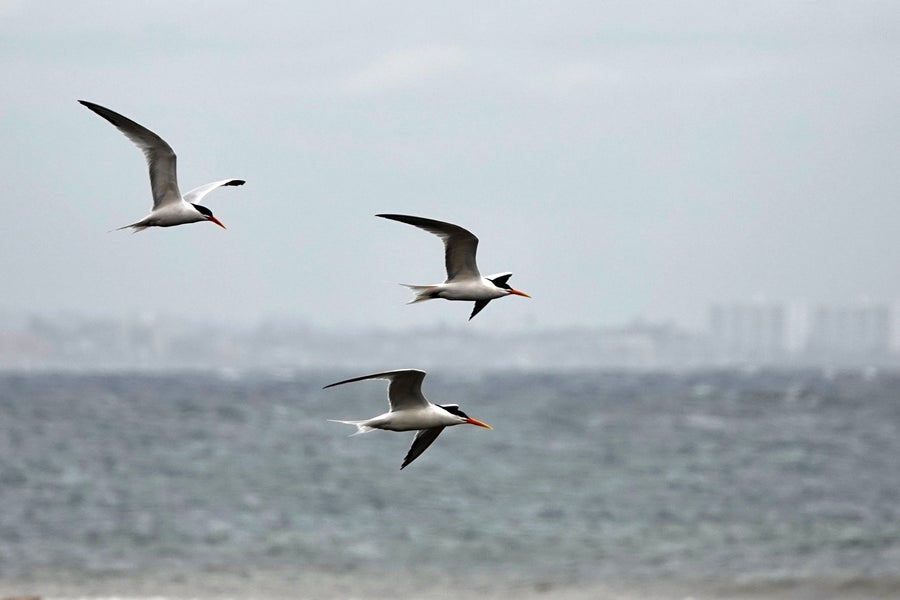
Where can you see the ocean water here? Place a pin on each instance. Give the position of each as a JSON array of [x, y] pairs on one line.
[[761, 476]]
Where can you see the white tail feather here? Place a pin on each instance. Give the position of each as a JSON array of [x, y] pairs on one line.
[[361, 426], [422, 292], [135, 227]]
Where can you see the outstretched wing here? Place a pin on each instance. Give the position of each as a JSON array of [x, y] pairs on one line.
[[404, 389], [195, 195], [460, 245], [479, 304], [160, 156], [424, 438]]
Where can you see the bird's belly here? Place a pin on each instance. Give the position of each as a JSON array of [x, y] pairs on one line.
[[469, 291], [176, 214], [407, 420]]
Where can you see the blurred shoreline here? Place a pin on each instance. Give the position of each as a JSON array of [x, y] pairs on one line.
[[77, 343], [283, 583]]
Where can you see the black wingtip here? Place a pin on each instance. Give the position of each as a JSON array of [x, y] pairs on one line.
[[235, 182], [479, 304], [110, 115]]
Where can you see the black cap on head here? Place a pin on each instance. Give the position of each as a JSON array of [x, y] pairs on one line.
[[500, 282], [454, 409], [203, 210]]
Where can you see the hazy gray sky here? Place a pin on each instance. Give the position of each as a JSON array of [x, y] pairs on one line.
[[620, 158]]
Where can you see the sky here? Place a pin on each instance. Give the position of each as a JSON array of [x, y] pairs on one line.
[[624, 160]]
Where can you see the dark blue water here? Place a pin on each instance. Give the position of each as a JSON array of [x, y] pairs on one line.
[[585, 475]]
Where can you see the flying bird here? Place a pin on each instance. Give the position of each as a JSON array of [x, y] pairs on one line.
[[169, 206], [410, 411], [464, 281]]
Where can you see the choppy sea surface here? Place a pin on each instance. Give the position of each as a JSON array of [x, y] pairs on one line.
[[202, 479]]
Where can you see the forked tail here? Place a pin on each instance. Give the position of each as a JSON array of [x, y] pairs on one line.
[[422, 292], [135, 227], [361, 426]]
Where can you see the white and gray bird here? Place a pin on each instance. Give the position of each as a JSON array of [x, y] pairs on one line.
[[464, 280], [410, 411], [169, 206]]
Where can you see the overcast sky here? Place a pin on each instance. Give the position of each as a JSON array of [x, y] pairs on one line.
[[622, 159]]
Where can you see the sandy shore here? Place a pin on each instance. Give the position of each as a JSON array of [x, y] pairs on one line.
[[278, 584]]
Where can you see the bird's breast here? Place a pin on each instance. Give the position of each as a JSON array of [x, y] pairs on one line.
[[415, 419], [470, 290], [175, 214]]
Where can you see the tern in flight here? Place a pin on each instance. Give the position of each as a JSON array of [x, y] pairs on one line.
[[410, 411], [169, 206], [464, 281]]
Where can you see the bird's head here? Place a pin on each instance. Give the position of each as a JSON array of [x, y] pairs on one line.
[[501, 282], [454, 410], [207, 215]]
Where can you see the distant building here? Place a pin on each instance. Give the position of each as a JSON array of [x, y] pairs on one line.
[[752, 331], [846, 331]]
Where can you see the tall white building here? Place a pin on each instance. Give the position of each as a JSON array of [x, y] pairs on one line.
[[853, 330], [748, 331]]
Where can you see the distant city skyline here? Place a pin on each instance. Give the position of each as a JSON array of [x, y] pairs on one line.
[[760, 333]]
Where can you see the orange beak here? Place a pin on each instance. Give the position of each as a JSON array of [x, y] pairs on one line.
[[518, 293], [471, 421], [216, 221]]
